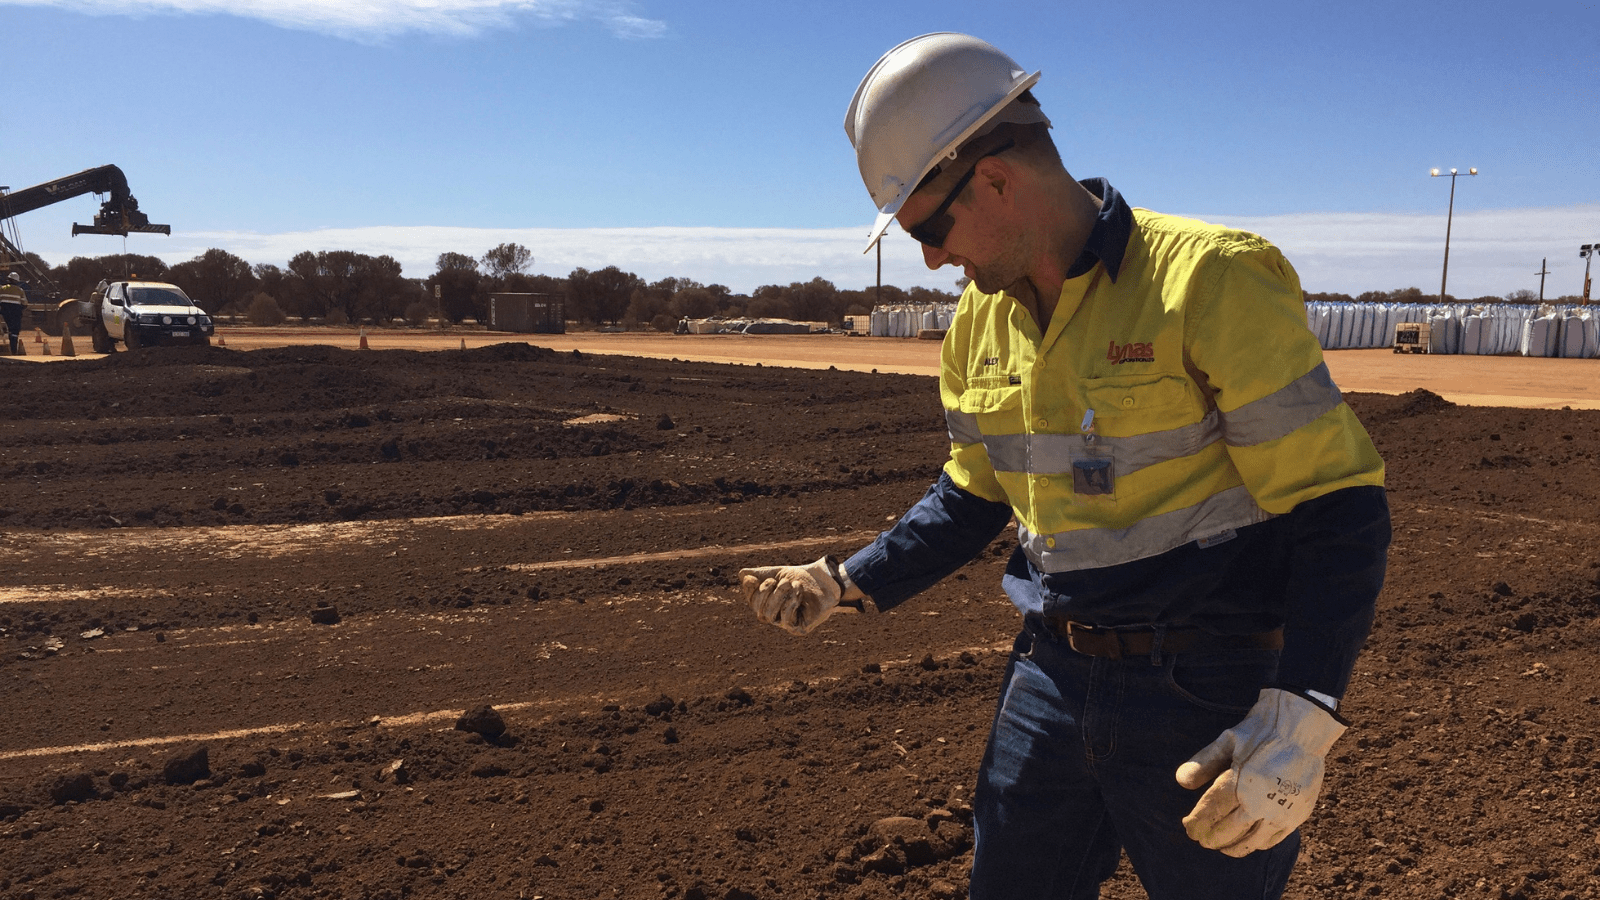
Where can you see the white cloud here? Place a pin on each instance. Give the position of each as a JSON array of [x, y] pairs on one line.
[[374, 19], [742, 258], [1491, 251]]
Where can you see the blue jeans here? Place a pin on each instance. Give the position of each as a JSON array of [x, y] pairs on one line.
[[1080, 767]]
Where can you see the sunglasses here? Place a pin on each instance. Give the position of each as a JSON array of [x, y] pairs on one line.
[[933, 230]]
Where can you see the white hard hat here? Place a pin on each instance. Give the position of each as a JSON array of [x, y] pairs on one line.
[[919, 103]]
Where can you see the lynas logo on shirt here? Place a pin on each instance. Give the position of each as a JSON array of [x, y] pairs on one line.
[[1131, 352]]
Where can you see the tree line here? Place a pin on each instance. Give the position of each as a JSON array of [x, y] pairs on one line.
[[1415, 295], [342, 286]]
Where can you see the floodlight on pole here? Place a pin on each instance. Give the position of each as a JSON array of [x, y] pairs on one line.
[[1449, 216], [1587, 251]]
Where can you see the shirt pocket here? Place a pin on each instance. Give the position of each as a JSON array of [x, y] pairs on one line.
[[995, 403], [1137, 404]]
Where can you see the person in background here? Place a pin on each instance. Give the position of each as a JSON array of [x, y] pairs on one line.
[[13, 299]]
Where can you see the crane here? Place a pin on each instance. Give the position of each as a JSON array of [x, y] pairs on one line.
[[119, 214]]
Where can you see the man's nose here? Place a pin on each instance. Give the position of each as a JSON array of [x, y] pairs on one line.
[[934, 256]]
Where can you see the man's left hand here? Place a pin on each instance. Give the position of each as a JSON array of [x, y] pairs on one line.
[[1265, 774]]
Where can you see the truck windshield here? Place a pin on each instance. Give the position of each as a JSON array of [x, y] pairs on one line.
[[151, 296]]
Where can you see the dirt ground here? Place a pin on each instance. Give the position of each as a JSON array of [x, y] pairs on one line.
[[1511, 381], [247, 596]]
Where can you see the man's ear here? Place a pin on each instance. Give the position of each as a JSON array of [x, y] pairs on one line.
[[996, 176]]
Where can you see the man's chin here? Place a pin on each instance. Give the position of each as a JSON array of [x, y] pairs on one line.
[[990, 282]]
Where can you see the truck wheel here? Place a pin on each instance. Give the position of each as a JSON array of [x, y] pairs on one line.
[[202, 342], [130, 338], [101, 340]]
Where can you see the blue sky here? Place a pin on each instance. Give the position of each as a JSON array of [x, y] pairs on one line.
[[704, 139]]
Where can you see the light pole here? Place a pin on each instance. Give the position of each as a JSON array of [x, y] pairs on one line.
[[1448, 217], [1544, 269], [1587, 251]]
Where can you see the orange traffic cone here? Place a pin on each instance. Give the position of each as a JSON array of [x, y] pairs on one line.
[[66, 342], [364, 340], [221, 341], [463, 343], [38, 335], [45, 348]]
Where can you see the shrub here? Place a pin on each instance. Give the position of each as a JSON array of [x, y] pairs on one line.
[[264, 310], [336, 316], [417, 314]]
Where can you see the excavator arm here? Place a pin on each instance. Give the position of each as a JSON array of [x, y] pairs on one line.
[[119, 214]]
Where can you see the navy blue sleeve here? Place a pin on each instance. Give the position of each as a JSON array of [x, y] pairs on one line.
[[1339, 549], [938, 535]]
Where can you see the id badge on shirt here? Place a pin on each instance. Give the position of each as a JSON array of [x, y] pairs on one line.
[[1094, 473]]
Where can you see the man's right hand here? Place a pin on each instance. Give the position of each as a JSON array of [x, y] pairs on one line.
[[794, 598]]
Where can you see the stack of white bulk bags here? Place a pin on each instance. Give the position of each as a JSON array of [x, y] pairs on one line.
[[1540, 335], [1494, 330], [1317, 321], [1509, 333], [1366, 331], [1444, 329], [1580, 335], [1472, 334], [905, 320], [1349, 319], [1335, 325], [1386, 315]]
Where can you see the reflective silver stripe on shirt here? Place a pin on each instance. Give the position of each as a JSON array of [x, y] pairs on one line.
[[1050, 454], [1093, 548], [963, 427], [1293, 406]]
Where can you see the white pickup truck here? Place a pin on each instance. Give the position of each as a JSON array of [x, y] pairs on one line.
[[142, 313]]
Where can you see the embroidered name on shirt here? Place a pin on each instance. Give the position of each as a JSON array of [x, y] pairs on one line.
[[1131, 352], [991, 361]]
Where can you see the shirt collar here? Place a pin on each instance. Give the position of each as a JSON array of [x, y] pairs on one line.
[[1113, 226]]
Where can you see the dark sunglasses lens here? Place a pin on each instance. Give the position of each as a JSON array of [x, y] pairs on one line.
[[933, 230]]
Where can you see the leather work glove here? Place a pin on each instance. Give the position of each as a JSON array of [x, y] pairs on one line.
[[794, 598], [1267, 771]]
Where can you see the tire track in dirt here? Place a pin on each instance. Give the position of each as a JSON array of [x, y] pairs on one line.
[[423, 718], [274, 541]]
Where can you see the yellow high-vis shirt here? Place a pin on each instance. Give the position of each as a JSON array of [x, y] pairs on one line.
[[1177, 401]]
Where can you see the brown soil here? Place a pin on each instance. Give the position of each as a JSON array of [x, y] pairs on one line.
[[309, 562]]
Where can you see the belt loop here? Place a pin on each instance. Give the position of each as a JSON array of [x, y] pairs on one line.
[[1156, 635]]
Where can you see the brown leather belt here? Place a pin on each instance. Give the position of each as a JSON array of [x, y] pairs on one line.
[[1109, 643]]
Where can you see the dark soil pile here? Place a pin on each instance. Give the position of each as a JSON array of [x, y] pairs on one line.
[[322, 623]]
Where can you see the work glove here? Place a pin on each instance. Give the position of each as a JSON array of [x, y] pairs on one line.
[[1267, 771], [794, 598]]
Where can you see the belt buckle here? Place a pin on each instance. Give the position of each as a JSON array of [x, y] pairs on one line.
[[1113, 646]]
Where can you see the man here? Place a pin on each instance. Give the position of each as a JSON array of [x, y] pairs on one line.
[[1201, 519], [12, 301]]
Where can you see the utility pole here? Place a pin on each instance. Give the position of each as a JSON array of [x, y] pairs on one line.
[[1544, 269], [1445, 276]]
